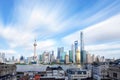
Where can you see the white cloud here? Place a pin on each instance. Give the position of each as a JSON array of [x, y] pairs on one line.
[[48, 44], [9, 51], [16, 37], [103, 47], [99, 34], [47, 20], [105, 31]]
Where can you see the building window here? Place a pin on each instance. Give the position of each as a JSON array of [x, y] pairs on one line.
[[115, 75]]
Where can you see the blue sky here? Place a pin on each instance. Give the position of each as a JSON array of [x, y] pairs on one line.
[[56, 23]]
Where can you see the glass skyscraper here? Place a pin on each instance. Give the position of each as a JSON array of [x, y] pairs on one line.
[[60, 53], [76, 48], [83, 52], [76, 45], [70, 56]]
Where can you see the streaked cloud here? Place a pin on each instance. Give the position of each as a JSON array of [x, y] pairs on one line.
[[102, 37], [58, 23]]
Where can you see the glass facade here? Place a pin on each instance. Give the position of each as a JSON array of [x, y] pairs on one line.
[[70, 56], [83, 56], [62, 57]]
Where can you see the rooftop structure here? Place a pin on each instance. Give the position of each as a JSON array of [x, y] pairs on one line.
[[78, 74], [7, 71]]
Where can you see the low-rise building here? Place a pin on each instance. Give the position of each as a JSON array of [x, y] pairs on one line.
[[78, 74], [100, 71], [7, 71], [114, 70], [55, 72]]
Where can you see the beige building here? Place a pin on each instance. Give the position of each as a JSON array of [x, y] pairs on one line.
[[78, 59], [89, 58], [66, 59]]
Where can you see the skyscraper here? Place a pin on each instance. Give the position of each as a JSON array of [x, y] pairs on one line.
[[2, 57], [52, 57], [76, 45], [89, 58], [70, 56], [83, 52], [77, 56], [60, 53], [66, 59], [76, 48], [13, 59], [62, 59], [73, 52]]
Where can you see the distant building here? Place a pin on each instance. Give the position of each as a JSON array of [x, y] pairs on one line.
[[52, 57], [83, 52], [13, 59], [62, 57], [66, 59], [2, 57], [93, 58], [70, 56], [60, 52], [76, 48], [89, 58], [78, 58], [22, 59], [40, 57], [73, 52], [46, 57], [102, 59], [84, 57], [76, 45]]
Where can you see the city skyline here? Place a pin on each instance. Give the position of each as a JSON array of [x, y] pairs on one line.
[[58, 23]]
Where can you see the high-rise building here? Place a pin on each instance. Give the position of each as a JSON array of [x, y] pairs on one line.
[[66, 59], [76, 45], [46, 57], [2, 57], [83, 52], [93, 58], [62, 59], [73, 52], [84, 56], [89, 58], [22, 59], [13, 59], [60, 53], [76, 48], [102, 59], [78, 56], [40, 58], [70, 56], [52, 57]]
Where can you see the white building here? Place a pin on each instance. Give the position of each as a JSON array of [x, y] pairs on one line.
[[78, 74], [100, 71], [46, 57], [2, 57], [89, 58]]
